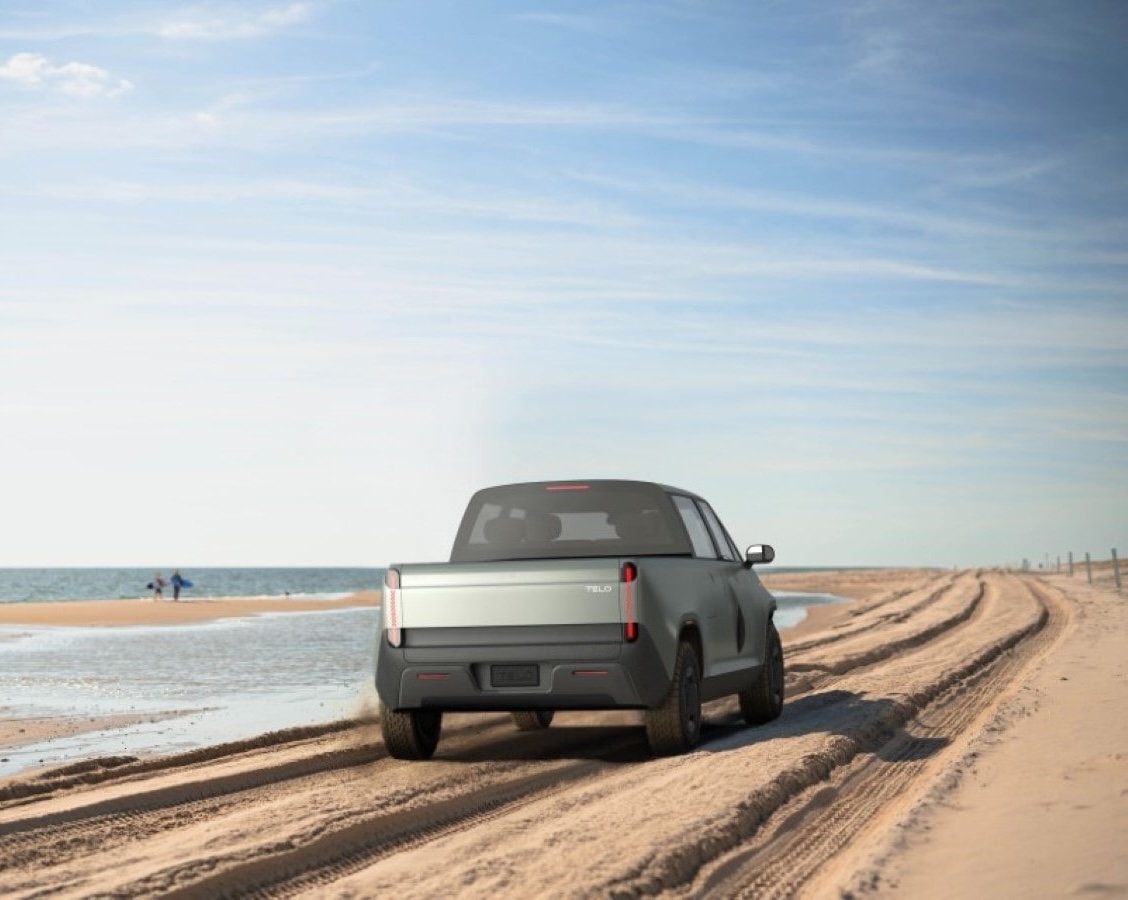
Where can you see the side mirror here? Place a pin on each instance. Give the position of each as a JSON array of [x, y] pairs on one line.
[[759, 553]]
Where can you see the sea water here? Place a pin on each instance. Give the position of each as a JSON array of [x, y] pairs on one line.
[[46, 585]]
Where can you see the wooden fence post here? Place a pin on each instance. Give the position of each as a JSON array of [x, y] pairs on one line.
[[1116, 569], [1089, 567], [1070, 563]]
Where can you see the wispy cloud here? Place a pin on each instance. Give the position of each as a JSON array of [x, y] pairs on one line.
[[203, 22], [385, 196], [74, 79], [909, 217], [882, 52], [234, 23], [571, 21]]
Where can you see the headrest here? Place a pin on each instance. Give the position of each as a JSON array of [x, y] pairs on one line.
[[544, 527], [504, 531]]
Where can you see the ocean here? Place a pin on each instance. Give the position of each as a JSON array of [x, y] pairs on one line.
[[47, 585]]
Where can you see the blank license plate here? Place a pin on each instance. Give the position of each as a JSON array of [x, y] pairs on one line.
[[514, 676]]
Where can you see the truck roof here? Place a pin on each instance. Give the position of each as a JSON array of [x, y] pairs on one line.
[[609, 482]]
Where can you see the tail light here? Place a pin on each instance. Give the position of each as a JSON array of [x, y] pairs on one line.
[[629, 576], [393, 601]]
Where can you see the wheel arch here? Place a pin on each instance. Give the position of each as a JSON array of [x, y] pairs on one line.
[[691, 631]]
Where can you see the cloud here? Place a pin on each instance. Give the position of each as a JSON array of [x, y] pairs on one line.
[[882, 52], [75, 79], [237, 24], [570, 21]]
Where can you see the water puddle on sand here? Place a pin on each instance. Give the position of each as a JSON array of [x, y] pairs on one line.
[[146, 690], [793, 606]]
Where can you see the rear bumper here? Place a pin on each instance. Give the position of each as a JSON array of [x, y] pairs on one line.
[[439, 672]]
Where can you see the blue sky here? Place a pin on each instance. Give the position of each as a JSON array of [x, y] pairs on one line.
[[283, 283]]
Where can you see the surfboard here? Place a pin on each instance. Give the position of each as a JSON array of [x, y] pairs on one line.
[[185, 583]]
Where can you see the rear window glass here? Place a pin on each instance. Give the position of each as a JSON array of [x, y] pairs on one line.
[[545, 520]]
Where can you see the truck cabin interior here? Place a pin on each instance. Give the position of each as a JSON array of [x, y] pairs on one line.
[[588, 519]]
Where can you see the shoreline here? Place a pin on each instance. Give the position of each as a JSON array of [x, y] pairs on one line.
[[116, 613], [20, 727], [23, 727], [145, 611]]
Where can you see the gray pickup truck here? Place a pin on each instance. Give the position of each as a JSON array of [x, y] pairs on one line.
[[579, 595]]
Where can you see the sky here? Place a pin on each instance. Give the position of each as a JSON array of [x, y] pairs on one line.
[[283, 283]]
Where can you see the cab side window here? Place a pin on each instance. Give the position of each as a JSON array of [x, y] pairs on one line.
[[720, 536], [695, 525]]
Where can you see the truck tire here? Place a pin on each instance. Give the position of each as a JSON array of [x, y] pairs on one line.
[[675, 725], [763, 702], [532, 719], [412, 733]]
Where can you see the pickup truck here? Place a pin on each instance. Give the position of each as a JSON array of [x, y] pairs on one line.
[[579, 595]]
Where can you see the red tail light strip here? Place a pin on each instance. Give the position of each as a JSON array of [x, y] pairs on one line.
[[630, 573]]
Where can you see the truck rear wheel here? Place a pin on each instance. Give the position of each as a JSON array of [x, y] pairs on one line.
[[532, 719], [763, 702], [412, 733], [675, 726]]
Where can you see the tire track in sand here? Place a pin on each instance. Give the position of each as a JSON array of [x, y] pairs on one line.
[[287, 872], [401, 813], [966, 606], [815, 826]]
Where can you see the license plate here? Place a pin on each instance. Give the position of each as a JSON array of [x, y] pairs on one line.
[[514, 676]]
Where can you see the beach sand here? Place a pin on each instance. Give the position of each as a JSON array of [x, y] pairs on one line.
[[1036, 805], [947, 734]]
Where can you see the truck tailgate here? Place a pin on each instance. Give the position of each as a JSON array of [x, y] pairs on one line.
[[507, 594]]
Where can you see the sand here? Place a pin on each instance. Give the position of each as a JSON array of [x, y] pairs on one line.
[[86, 613], [946, 734], [1037, 806]]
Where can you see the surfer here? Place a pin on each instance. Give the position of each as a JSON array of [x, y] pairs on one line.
[[177, 584], [157, 584]]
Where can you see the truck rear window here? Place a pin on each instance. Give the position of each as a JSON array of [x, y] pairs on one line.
[[558, 520]]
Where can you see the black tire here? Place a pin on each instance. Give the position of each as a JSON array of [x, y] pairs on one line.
[[763, 702], [675, 726], [412, 733], [532, 719]]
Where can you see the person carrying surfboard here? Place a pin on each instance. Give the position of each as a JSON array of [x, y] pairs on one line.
[[178, 582], [157, 584]]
